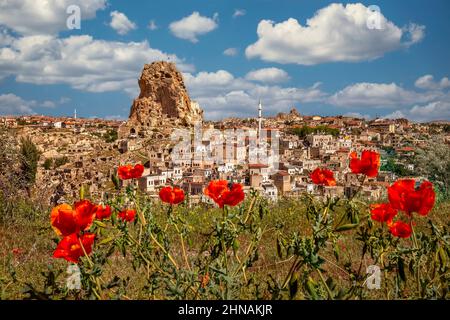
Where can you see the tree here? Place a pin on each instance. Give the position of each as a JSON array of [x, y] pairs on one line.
[[303, 131], [110, 136], [58, 162], [433, 162], [9, 159], [48, 163], [29, 157], [396, 168]]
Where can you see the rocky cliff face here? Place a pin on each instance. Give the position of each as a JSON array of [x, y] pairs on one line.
[[162, 102], [293, 115]]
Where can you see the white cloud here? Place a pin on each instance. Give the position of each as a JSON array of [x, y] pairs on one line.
[[211, 79], [10, 104], [436, 110], [378, 95], [80, 61], [269, 75], [232, 52], [239, 13], [427, 82], [356, 115], [431, 103], [336, 33], [152, 25], [64, 100], [116, 117], [221, 94], [29, 17], [48, 104], [414, 33], [5, 38], [396, 115], [121, 23], [190, 27]]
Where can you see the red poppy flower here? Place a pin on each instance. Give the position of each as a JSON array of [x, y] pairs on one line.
[[218, 191], [69, 248], [129, 172], [17, 251], [62, 219], [66, 220], [403, 196], [171, 195], [368, 164], [102, 212], [323, 177], [127, 215], [204, 280], [382, 212], [85, 214], [400, 229], [216, 188]]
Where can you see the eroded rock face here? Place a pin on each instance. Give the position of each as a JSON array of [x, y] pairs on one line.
[[293, 115], [163, 101]]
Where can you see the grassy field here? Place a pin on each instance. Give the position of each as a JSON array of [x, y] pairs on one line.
[[28, 242]]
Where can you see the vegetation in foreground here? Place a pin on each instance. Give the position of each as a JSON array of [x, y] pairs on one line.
[[294, 249], [131, 247]]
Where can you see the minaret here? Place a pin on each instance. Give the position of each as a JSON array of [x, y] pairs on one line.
[[259, 117], [75, 114]]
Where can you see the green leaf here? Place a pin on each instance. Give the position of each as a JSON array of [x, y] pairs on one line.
[[279, 248], [236, 245], [105, 241], [330, 283], [82, 192], [442, 258], [311, 289], [336, 251], [345, 227], [293, 286], [401, 269], [115, 181], [100, 224]]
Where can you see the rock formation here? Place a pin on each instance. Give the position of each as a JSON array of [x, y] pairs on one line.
[[162, 102], [293, 115]]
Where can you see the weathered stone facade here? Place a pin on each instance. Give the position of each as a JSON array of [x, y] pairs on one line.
[[163, 102]]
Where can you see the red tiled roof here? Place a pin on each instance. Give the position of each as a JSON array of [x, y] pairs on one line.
[[257, 166]]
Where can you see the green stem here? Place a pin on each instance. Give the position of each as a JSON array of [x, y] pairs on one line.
[[183, 248], [291, 271], [141, 215], [359, 188], [250, 208], [330, 294], [95, 279], [164, 250], [224, 247], [417, 258]]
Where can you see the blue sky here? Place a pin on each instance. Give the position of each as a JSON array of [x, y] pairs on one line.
[[319, 56]]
